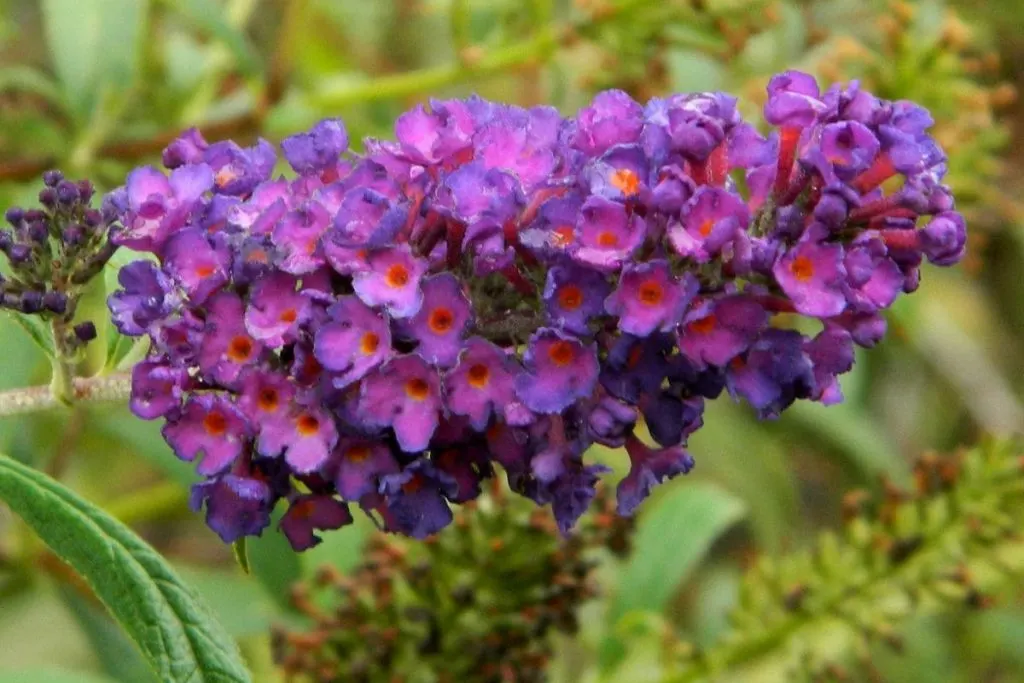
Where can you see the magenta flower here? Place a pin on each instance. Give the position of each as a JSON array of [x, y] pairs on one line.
[[812, 276], [158, 207], [354, 340], [157, 388], [613, 118], [573, 296], [227, 347], [210, 428], [606, 234], [404, 394], [360, 465], [560, 369], [441, 321], [392, 280], [717, 330], [195, 264], [298, 235], [276, 310], [306, 435], [709, 220], [649, 298], [266, 397], [794, 99], [481, 384]]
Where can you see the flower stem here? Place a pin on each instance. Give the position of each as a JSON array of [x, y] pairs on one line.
[[62, 376], [116, 387]]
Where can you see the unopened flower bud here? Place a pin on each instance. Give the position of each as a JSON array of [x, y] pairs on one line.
[[31, 302], [19, 253], [85, 332], [92, 218], [48, 197], [14, 215], [67, 193], [51, 178], [73, 234], [38, 232], [55, 302], [85, 191]]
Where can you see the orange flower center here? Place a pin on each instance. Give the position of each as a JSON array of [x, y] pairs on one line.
[[704, 325], [561, 353], [441, 320], [802, 268], [369, 343], [417, 389], [307, 425], [204, 270], [562, 236], [397, 276], [570, 297], [225, 176], [215, 424], [289, 315], [268, 400], [706, 227], [240, 348], [625, 181], [607, 239], [358, 453], [479, 376], [257, 256], [651, 293]]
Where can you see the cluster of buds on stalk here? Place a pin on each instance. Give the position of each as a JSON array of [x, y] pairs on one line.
[[53, 251], [504, 287], [478, 603]]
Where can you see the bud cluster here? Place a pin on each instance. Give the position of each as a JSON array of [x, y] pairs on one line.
[[478, 603], [53, 251], [507, 286]]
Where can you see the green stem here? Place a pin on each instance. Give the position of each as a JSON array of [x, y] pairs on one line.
[[114, 388], [62, 377]]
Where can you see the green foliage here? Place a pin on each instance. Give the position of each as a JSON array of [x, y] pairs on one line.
[[174, 631]]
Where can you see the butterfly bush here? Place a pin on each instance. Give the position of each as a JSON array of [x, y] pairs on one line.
[[507, 287]]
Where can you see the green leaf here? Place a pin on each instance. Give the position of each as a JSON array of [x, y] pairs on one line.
[[210, 18], [239, 604], [35, 329], [51, 676], [94, 43], [21, 78], [175, 631], [274, 564], [671, 539], [241, 556]]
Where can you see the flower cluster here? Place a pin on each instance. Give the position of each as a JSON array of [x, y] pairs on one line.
[[507, 286], [478, 603], [53, 251]]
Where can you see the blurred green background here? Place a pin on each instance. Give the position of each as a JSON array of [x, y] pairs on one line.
[[97, 86]]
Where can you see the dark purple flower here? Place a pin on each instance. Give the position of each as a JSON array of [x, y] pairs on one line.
[[831, 354], [210, 427], [227, 347], [237, 171], [872, 278], [613, 118], [649, 298], [198, 266], [670, 419], [353, 341], [482, 382], [416, 498], [319, 149], [560, 370], [944, 239], [236, 506], [441, 321], [156, 389], [793, 100], [718, 330], [635, 366], [298, 235], [648, 467], [276, 310], [187, 148], [563, 480], [775, 372], [144, 298], [611, 421], [360, 465], [812, 276], [404, 394], [710, 219], [574, 295], [311, 512], [606, 234], [392, 280]]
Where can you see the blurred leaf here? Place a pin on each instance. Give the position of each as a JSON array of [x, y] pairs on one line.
[[23, 616], [141, 438], [25, 79], [342, 549], [210, 18], [174, 630], [120, 659], [35, 329], [239, 604], [94, 43], [51, 676], [671, 540], [274, 564]]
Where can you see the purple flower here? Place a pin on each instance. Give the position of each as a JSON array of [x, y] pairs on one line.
[[649, 298], [156, 389], [718, 330], [210, 427], [850, 146], [467, 464], [157, 207], [353, 341], [310, 512], [671, 419], [298, 234], [619, 174], [872, 278], [613, 118], [366, 218], [392, 280], [227, 347], [143, 300], [606, 234], [187, 148], [611, 421], [521, 143], [235, 506], [647, 468], [441, 321], [307, 435], [710, 219], [428, 138], [404, 394], [416, 498], [319, 149], [812, 276], [944, 239], [482, 382], [793, 100], [266, 397], [697, 123], [831, 354], [199, 267], [237, 171], [775, 372], [563, 480], [473, 192], [573, 296], [276, 310], [360, 465], [560, 370]]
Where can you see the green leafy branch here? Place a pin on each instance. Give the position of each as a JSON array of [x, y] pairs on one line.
[[941, 547]]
